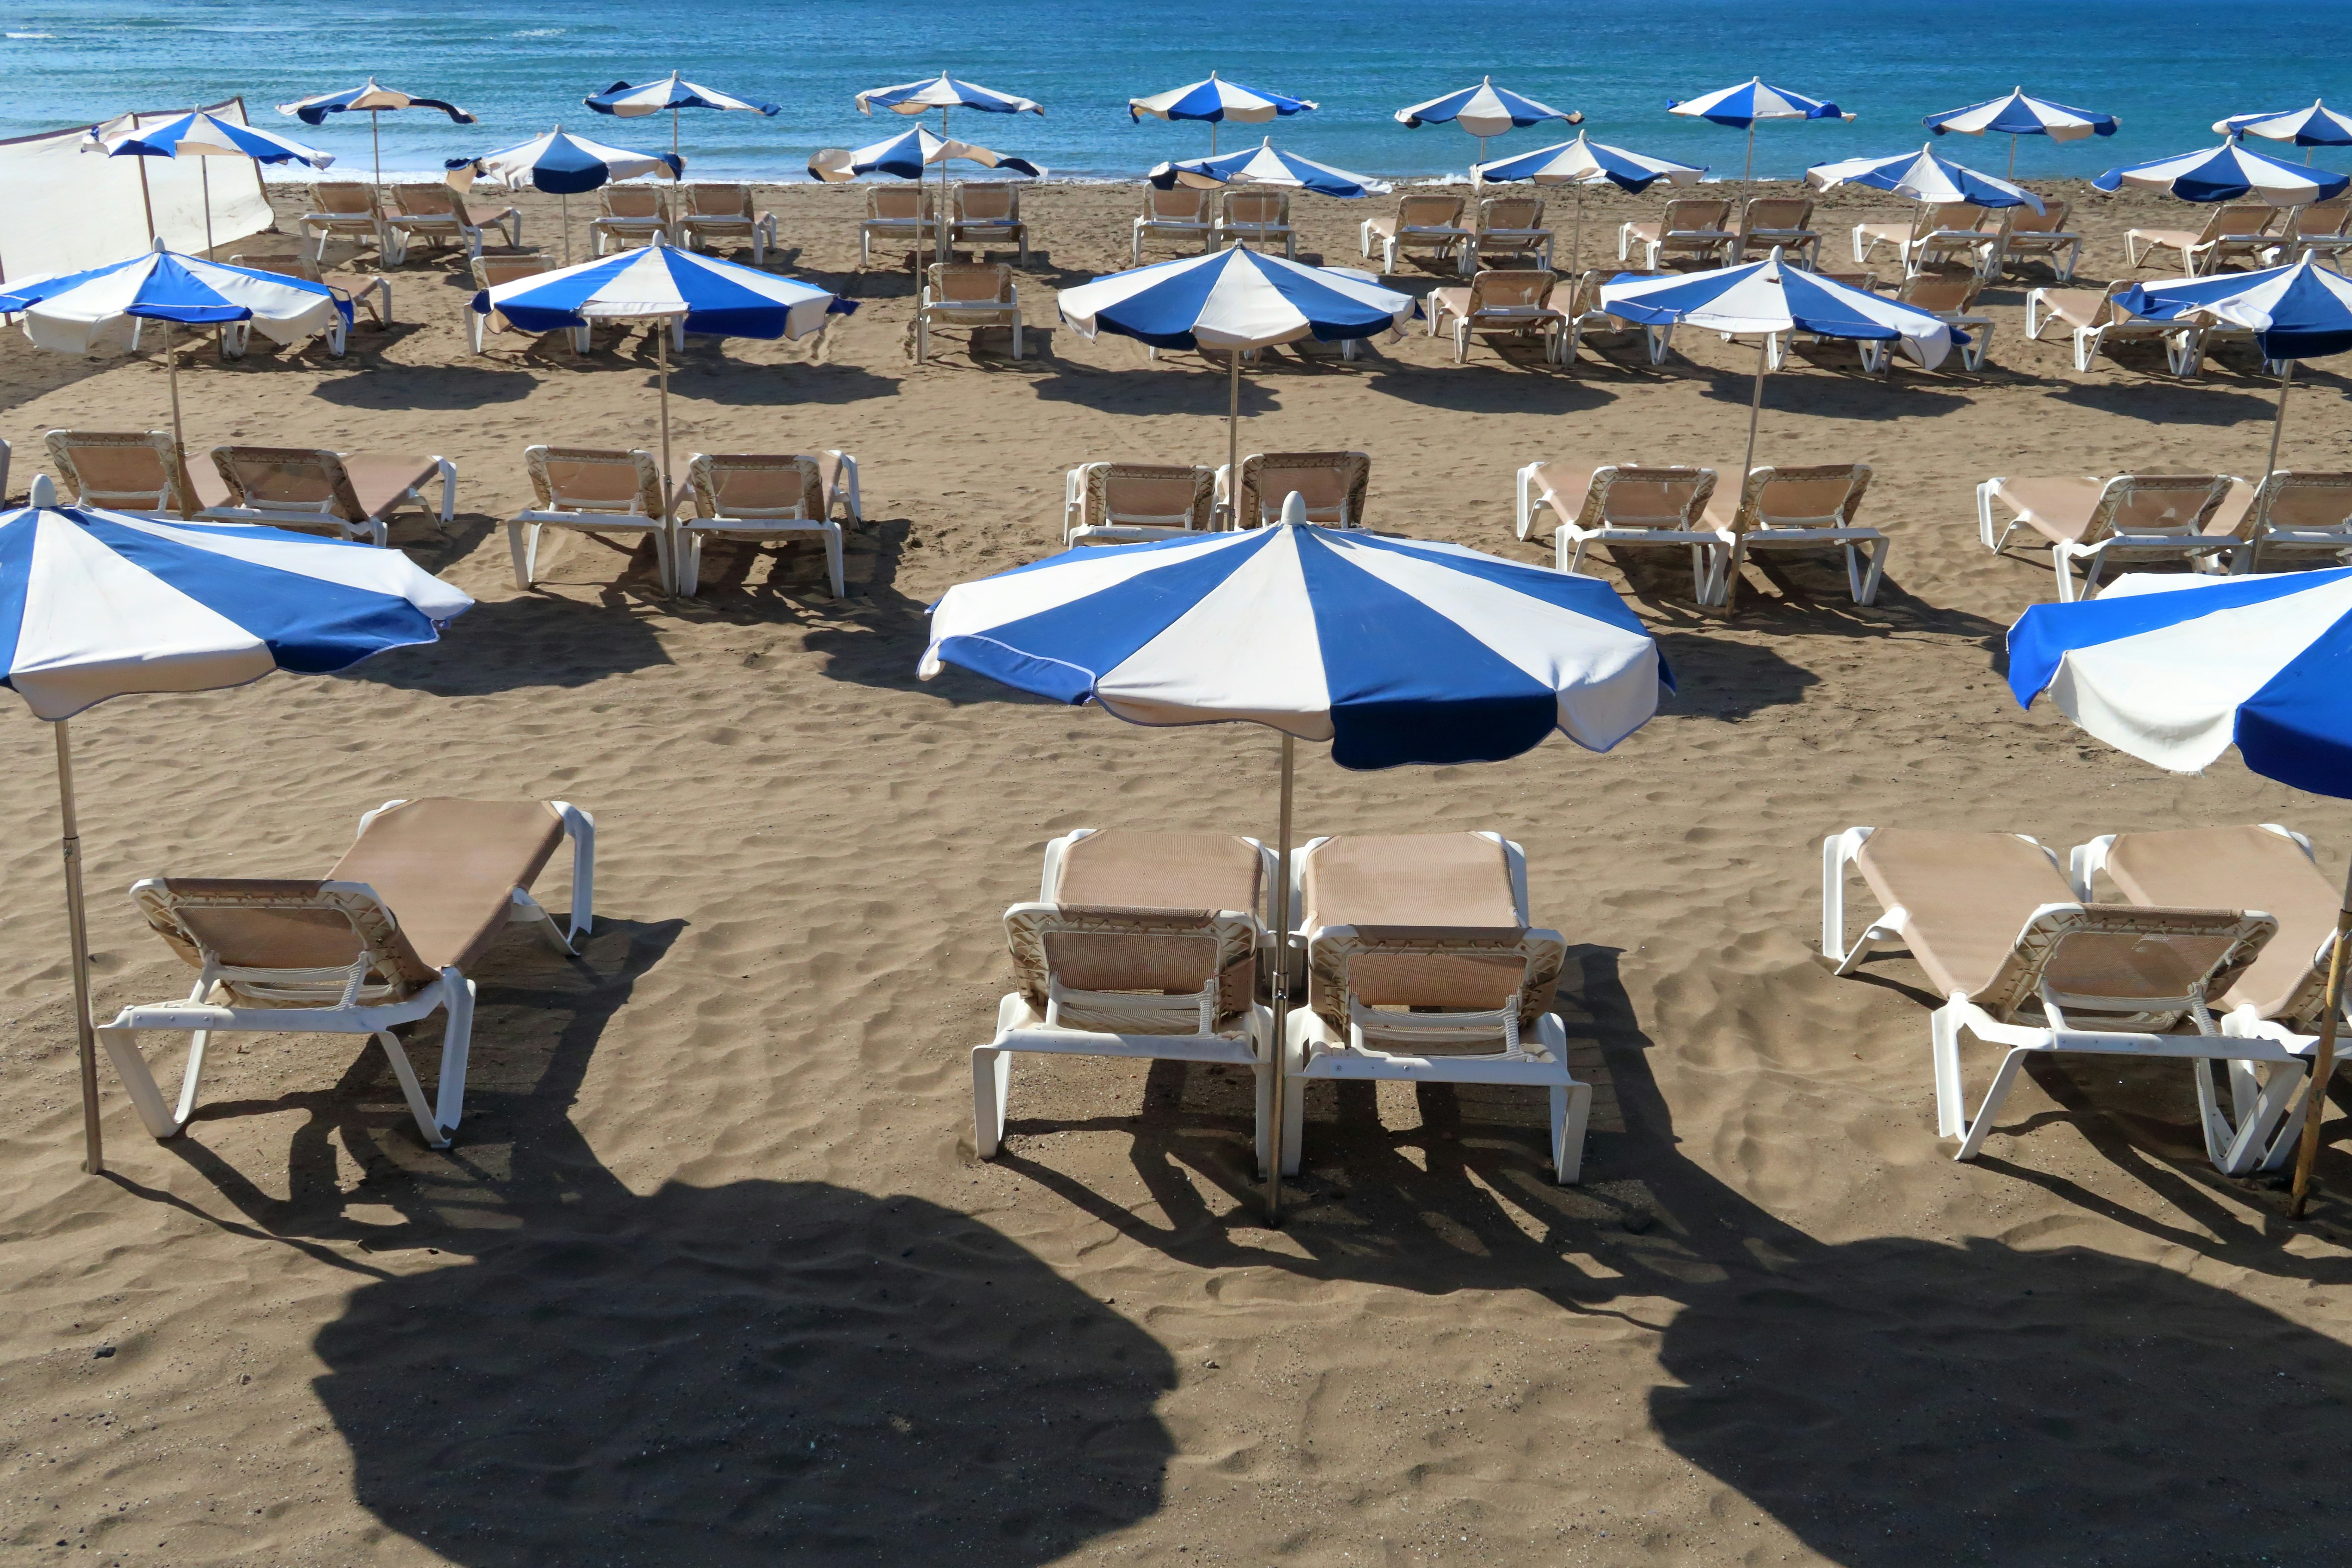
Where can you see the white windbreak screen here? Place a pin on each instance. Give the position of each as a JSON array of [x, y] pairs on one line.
[[69, 209]]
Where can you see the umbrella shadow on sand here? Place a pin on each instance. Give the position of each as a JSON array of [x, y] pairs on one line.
[[755, 1372], [1889, 1401]]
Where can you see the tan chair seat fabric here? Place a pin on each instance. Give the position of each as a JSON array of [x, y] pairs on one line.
[[381, 478], [1968, 895], [445, 869], [2244, 867]]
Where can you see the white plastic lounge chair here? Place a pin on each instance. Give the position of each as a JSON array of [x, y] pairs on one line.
[[1124, 503], [2093, 521], [989, 212], [437, 214], [370, 291], [2290, 513], [1431, 225], [1139, 944], [2024, 235], [490, 271], [1256, 217], [351, 495], [2317, 229], [1181, 213], [1691, 228], [630, 216], [1951, 299], [2098, 324], [1998, 929], [1779, 223], [1331, 485], [967, 294], [1935, 234], [1588, 323], [385, 939], [762, 499], [1512, 226], [1514, 305], [350, 210], [1623, 506], [722, 214], [1789, 508], [588, 489], [2237, 225], [909, 213], [1423, 966], [134, 471]]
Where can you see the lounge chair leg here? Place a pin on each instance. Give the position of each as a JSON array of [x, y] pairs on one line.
[[992, 1079], [456, 1045], [1294, 1125], [1865, 584], [1972, 1140], [414, 1092], [832, 560], [1944, 1048], [1572, 1108], [123, 1050], [526, 557], [448, 490]]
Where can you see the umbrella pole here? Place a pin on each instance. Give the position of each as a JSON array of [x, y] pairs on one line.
[[1234, 442], [2323, 1063], [1748, 171], [1478, 173], [172, 379], [564, 203], [939, 219], [204, 170], [86, 1040], [2012, 157], [661, 359], [1755, 407], [1281, 1052], [2278, 422], [375, 139], [1575, 238]]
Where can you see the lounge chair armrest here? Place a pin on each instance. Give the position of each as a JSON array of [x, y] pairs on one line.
[[1838, 851], [2085, 862], [580, 829]]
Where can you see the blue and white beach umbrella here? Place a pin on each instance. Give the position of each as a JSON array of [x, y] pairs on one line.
[[943, 93], [1483, 111], [196, 134], [372, 101], [672, 92], [2020, 115], [1216, 100], [1265, 165], [2319, 126], [1581, 162], [1750, 102], [1773, 296], [563, 165], [2177, 669], [95, 604], [2229, 173], [1232, 300], [1924, 177], [908, 154]]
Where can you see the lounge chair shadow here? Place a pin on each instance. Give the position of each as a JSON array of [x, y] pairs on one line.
[[708, 374], [1520, 388], [536, 1359], [1180, 383], [466, 383], [2157, 398], [540, 639], [1835, 391]]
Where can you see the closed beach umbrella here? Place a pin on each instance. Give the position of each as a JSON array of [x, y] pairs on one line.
[[943, 93], [2298, 312], [1234, 300], [1924, 177], [74, 313], [907, 155], [2319, 126], [1580, 163], [564, 165], [1391, 650], [1216, 100], [2175, 670], [2020, 115], [1773, 296], [1751, 100], [678, 290], [1266, 164], [196, 134], [372, 101], [1483, 111], [673, 93], [96, 605], [2229, 173]]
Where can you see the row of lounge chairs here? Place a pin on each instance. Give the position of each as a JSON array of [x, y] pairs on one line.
[[2225, 930], [981, 214], [1128, 503], [2255, 233], [392, 217], [2211, 521], [351, 495]]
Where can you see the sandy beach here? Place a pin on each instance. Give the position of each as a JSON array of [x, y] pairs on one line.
[[713, 1275]]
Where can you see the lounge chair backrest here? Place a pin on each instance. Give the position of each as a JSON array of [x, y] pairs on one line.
[[300, 267], [1940, 295], [124, 471], [1693, 215], [1818, 495], [1626, 495], [346, 198], [1178, 203], [1425, 211], [643, 203], [2024, 222], [2126, 959], [1256, 208], [1510, 215], [1866, 281], [993, 202], [1134, 971], [2299, 501], [288, 479], [589, 479], [2237, 218], [720, 200], [490, 271], [2320, 220], [1330, 484], [1522, 292], [1150, 495], [972, 282], [1793, 213], [901, 204], [2165, 504], [435, 201], [284, 942], [2248, 864], [756, 486]]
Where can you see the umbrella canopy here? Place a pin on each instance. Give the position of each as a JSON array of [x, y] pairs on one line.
[[96, 605], [1233, 299], [1483, 111], [1752, 101], [907, 154], [2229, 173], [1266, 164], [1924, 177], [368, 99], [200, 135], [664, 282], [74, 311], [563, 165], [1586, 162], [1214, 101], [2020, 115], [2319, 126], [942, 92], [672, 92]]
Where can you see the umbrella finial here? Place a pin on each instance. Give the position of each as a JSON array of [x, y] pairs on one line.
[[1294, 510], [44, 493]]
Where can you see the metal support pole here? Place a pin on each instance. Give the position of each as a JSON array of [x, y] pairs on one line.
[[172, 379], [1234, 442], [1281, 990], [375, 140], [1755, 407], [86, 1038], [2278, 422], [661, 359], [2322, 1061]]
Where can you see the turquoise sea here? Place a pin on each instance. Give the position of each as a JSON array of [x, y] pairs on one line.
[[2168, 67]]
